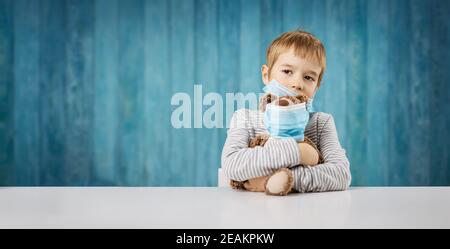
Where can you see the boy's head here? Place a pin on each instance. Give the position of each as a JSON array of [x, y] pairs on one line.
[[297, 60]]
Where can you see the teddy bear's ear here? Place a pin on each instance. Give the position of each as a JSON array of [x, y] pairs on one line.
[[266, 99], [270, 98], [301, 99]]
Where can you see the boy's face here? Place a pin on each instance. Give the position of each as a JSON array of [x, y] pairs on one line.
[[294, 72]]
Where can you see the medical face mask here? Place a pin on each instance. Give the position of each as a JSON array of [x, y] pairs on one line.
[[309, 105], [276, 88], [286, 121]]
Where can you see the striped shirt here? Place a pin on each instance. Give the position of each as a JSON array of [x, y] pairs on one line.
[[239, 162]]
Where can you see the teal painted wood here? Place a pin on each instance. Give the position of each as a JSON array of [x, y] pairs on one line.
[[6, 93], [106, 118], [353, 117], [52, 95], [208, 151], [130, 92], [157, 93], [250, 58], [313, 22], [229, 50], [376, 169], [399, 83], [291, 16], [440, 94], [420, 142], [79, 92], [229, 23], [182, 166], [340, 61], [271, 24], [26, 93], [85, 86]]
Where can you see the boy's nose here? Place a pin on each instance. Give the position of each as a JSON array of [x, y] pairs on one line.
[[297, 86]]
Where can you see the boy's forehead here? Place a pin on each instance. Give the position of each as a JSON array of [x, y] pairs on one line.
[[290, 59]]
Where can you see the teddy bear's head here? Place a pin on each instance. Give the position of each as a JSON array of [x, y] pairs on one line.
[[281, 101]]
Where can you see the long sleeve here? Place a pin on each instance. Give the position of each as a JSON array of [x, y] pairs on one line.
[[334, 174], [239, 162]]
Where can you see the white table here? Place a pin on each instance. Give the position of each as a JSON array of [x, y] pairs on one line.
[[171, 207]]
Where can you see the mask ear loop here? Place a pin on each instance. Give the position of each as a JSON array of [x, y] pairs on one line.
[[317, 124], [314, 94], [317, 132]]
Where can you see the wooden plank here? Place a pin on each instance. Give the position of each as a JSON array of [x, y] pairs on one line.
[[313, 19], [26, 93], [250, 58], [419, 95], [6, 93], [183, 144], [271, 24], [157, 93], [377, 162], [208, 150], [79, 92], [399, 82], [440, 94], [351, 87], [130, 94], [105, 170], [52, 83], [229, 50], [292, 15], [335, 87]]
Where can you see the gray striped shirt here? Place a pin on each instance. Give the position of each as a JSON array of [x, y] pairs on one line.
[[239, 162]]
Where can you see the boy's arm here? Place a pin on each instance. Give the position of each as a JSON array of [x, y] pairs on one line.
[[239, 162], [332, 175]]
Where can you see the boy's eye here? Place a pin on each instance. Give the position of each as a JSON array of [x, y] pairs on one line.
[[287, 71], [309, 78]]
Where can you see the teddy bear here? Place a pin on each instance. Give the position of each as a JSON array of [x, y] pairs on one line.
[[261, 139]]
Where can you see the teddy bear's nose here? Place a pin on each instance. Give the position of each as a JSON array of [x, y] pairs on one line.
[[283, 102]]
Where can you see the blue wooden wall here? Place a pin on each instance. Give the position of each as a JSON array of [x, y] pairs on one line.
[[85, 86]]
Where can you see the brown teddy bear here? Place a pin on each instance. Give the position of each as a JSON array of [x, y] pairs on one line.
[[260, 140]]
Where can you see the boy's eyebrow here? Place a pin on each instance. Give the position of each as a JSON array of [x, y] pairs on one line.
[[312, 72], [287, 65]]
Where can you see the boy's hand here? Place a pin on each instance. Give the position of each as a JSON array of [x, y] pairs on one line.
[[308, 154]]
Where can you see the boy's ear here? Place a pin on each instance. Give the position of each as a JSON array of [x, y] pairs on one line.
[[265, 74]]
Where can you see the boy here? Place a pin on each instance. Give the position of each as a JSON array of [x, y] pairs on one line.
[[295, 62]]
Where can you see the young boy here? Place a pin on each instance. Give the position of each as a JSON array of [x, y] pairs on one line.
[[295, 61]]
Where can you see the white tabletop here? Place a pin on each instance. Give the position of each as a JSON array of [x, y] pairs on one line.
[[171, 207]]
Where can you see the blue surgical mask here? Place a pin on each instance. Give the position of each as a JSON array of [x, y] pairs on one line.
[[286, 121], [309, 105], [276, 88]]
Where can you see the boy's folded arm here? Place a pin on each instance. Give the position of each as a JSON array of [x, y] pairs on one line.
[[239, 162], [334, 174]]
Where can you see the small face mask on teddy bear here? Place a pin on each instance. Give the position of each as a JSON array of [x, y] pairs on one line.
[[285, 112], [291, 128], [286, 118], [276, 88]]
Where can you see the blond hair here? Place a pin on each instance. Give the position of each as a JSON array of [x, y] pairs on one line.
[[305, 45]]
